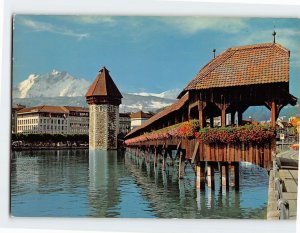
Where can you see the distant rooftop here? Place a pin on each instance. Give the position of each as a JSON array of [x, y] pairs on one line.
[[172, 108], [140, 114], [52, 109]]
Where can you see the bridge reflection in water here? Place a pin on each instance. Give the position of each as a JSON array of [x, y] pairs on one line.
[[171, 197], [117, 184]]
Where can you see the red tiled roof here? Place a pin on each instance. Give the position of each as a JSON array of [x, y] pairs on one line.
[[172, 108], [76, 109], [245, 65], [52, 109], [140, 114], [104, 86], [44, 108]]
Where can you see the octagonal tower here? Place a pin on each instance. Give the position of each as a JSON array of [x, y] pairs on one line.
[[104, 99]]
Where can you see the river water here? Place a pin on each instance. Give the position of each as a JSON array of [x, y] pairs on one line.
[[83, 183]]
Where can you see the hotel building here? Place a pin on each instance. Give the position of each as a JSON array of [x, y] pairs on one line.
[[53, 120]]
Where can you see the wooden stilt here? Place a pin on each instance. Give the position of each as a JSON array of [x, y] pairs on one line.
[[164, 158], [210, 176], [181, 164], [155, 156], [224, 175], [234, 175], [200, 173], [171, 157]]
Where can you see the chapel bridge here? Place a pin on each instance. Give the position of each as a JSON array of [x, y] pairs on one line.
[[240, 77]]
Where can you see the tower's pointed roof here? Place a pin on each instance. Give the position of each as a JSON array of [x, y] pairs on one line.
[[104, 86]]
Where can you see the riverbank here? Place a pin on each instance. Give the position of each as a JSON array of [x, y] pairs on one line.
[[31, 148]]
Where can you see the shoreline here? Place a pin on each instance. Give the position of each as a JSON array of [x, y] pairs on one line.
[[48, 148]]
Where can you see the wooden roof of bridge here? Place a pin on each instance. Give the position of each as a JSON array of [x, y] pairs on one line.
[[244, 65], [172, 108]]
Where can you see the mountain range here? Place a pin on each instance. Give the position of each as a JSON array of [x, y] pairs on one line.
[[61, 88]]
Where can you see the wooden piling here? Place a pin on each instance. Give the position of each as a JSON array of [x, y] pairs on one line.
[[200, 175], [224, 174], [234, 175], [210, 176], [181, 164]]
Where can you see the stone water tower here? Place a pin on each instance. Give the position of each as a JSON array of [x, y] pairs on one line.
[[104, 99]]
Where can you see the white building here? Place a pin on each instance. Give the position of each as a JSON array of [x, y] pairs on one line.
[[53, 120], [138, 118], [124, 123]]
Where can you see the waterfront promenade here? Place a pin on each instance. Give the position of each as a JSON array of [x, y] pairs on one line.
[[283, 186]]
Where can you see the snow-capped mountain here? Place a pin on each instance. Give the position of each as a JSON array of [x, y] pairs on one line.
[[52, 84], [61, 88], [170, 94]]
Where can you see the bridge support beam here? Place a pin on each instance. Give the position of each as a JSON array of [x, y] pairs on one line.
[[210, 176], [155, 156], [171, 157], [200, 175], [164, 159], [181, 164], [234, 175], [224, 175]]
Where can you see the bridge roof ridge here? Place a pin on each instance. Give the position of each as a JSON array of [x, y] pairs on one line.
[[244, 65]]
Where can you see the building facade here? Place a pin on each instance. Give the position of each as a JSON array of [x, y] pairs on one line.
[[53, 120], [104, 99], [124, 123], [138, 118], [14, 116]]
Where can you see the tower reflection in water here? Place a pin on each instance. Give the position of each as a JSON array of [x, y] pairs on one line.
[[104, 175]]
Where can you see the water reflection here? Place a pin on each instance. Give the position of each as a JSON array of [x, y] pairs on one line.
[[173, 198], [115, 184], [104, 177]]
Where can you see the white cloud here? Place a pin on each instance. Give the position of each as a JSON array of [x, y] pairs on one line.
[[92, 19], [48, 27], [195, 24]]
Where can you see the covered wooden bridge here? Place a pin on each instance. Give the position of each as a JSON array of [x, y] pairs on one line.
[[240, 77]]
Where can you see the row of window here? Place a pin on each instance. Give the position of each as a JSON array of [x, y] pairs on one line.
[[41, 121], [42, 127], [79, 114], [41, 131], [77, 125], [79, 119], [78, 131]]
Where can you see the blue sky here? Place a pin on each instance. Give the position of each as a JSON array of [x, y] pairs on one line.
[[151, 54]]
